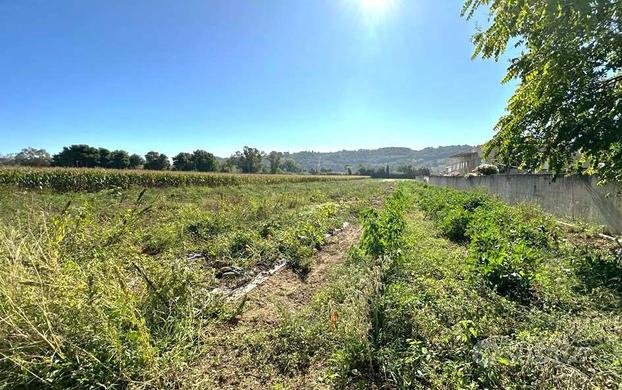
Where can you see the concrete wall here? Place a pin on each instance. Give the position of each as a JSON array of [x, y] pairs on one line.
[[575, 197]]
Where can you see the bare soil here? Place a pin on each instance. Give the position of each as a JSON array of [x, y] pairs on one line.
[[225, 365], [288, 291]]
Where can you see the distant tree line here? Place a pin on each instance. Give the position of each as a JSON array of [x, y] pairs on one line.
[[247, 160], [401, 172], [85, 156], [28, 157]]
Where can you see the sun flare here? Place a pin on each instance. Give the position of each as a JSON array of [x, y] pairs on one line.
[[375, 12], [375, 7]]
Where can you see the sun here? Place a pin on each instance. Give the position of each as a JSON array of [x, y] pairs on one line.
[[375, 7]]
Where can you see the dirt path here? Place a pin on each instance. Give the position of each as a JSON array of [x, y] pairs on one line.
[[226, 364], [287, 291]]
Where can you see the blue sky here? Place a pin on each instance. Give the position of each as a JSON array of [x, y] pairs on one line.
[[288, 75]]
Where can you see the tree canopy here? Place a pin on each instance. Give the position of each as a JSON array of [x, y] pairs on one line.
[[204, 161], [33, 157], [119, 159], [83, 156], [105, 158], [183, 162], [86, 156], [274, 158], [136, 161], [290, 165], [248, 160], [156, 161], [199, 160], [567, 108]]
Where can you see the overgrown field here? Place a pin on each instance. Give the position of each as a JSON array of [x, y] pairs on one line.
[[112, 289], [88, 179], [444, 290], [452, 290]]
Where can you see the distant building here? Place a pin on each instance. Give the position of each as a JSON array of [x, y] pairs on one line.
[[463, 163]]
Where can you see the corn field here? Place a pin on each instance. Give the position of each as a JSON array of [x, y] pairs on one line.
[[86, 179]]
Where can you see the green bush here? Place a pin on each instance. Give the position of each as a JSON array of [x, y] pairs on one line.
[[507, 246], [454, 224], [599, 268], [441, 322], [510, 266], [383, 230], [487, 169], [451, 210], [298, 242]]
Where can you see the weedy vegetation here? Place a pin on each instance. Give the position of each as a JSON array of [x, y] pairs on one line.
[[445, 289], [454, 290], [112, 289]]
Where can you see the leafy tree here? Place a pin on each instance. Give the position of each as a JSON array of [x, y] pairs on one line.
[[183, 162], [274, 158], [230, 165], [136, 161], [77, 156], [33, 157], [290, 165], [156, 161], [204, 161], [120, 159], [567, 108], [7, 159], [248, 160], [412, 171], [423, 172], [105, 158]]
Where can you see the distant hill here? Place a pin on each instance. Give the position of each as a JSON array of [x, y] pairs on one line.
[[433, 158]]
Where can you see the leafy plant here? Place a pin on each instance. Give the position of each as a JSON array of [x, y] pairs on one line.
[[566, 109], [487, 169]]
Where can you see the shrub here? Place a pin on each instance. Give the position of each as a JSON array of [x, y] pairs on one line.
[[487, 169], [454, 224], [599, 268], [509, 266], [452, 210], [298, 242], [507, 246], [383, 230], [207, 227]]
